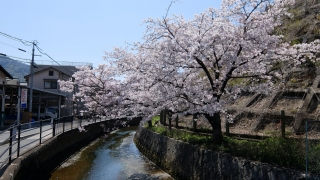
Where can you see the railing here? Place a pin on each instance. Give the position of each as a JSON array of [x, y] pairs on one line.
[[62, 63], [21, 138]]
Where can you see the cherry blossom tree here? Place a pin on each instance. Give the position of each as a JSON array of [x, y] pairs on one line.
[[97, 88], [193, 61], [185, 66]]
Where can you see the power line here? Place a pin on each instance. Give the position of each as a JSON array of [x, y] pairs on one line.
[[20, 58], [41, 51], [12, 58], [25, 59], [14, 47], [26, 43]]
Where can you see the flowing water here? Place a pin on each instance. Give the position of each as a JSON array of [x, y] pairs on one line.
[[112, 158]]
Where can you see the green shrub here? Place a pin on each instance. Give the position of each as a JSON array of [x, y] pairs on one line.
[[154, 120]]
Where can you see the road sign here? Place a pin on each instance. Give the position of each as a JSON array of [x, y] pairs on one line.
[[24, 97]]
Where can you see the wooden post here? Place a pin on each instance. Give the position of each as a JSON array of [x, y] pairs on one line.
[[227, 128], [177, 121], [150, 124], [161, 117], [283, 129], [170, 118], [194, 122], [164, 117]]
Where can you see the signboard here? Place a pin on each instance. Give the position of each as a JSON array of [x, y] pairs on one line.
[[24, 97]]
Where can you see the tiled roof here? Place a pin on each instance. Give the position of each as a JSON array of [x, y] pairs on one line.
[[5, 72], [68, 70]]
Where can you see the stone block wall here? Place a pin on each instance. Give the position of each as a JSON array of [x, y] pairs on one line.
[[184, 161]]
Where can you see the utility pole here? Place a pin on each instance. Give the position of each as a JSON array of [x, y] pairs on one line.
[[31, 83]]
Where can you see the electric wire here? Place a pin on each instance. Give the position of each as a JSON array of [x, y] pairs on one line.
[[20, 60], [8, 45], [26, 43], [14, 47], [12, 58], [24, 59], [42, 52]]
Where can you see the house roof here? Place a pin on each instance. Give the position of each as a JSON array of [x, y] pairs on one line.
[[68, 70], [5, 72]]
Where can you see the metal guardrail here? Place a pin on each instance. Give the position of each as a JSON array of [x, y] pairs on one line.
[[20, 138]]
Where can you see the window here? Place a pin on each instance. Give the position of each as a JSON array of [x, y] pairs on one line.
[[50, 85], [50, 73], [52, 110]]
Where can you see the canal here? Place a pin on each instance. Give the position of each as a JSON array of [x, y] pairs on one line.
[[114, 157]]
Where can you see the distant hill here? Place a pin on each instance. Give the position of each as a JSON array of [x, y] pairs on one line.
[[17, 69]]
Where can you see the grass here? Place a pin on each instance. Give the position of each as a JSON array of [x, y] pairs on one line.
[[185, 136], [274, 150], [154, 120]]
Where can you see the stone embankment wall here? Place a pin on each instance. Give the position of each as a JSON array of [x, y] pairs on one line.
[[41, 158], [184, 161]]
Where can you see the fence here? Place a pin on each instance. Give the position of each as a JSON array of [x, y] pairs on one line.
[[62, 63], [313, 149], [245, 123], [22, 137]]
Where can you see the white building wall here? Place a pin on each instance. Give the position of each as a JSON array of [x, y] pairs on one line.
[[39, 77]]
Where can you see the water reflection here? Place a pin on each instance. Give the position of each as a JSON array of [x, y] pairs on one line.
[[113, 158]]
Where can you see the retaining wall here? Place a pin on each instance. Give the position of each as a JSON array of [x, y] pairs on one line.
[[184, 161]]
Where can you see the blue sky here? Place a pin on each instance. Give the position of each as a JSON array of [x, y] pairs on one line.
[[80, 31]]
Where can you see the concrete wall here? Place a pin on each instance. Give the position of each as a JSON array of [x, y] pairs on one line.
[[35, 160], [184, 161]]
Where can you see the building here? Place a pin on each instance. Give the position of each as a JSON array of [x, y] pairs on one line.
[[4, 75], [45, 79], [46, 94]]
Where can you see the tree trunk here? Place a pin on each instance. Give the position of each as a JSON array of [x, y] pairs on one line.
[[215, 122]]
